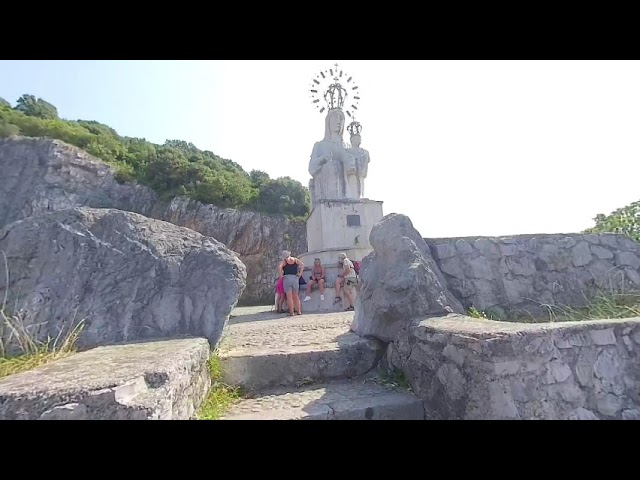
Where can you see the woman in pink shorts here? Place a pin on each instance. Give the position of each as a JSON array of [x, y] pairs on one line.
[[281, 297]]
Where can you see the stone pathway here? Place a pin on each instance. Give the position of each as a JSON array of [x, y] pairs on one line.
[[307, 367]]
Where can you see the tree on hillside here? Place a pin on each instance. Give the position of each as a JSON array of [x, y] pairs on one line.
[[4, 103], [284, 195], [7, 129], [98, 128], [36, 107], [181, 145], [625, 220], [259, 178], [138, 153]]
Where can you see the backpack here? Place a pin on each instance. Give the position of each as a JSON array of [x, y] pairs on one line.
[[356, 267]]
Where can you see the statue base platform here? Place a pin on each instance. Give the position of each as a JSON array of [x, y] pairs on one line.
[[334, 227], [342, 224]]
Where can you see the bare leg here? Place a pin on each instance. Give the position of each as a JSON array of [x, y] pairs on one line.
[[282, 298], [349, 294], [321, 285], [290, 301], [309, 286], [296, 300], [338, 287]]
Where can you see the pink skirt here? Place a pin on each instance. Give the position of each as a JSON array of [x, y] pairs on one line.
[[280, 286]]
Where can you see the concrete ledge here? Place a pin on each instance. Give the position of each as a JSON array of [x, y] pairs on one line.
[[162, 380], [466, 368]]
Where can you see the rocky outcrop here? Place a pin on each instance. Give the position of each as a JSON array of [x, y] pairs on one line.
[[399, 281], [470, 369], [129, 276], [42, 175], [166, 380], [517, 276], [257, 238]]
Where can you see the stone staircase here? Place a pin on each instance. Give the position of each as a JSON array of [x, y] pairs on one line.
[[309, 367]]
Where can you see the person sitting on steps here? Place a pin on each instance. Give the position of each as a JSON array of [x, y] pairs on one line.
[[291, 269], [347, 280], [318, 277]]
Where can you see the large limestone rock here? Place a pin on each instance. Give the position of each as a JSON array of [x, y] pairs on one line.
[[129, 276], [399, 281], [258, 238], [41, 175]]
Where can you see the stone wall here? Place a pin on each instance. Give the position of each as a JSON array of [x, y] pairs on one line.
[[41, 175], [465, 368], [517, 275]]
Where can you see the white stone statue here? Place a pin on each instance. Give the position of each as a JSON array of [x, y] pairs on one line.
[[338, 171], [361, 162], [326, 165]]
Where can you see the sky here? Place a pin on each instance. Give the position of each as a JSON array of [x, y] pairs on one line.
[[461, 147]]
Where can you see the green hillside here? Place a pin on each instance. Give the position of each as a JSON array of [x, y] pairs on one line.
[[175, 168]]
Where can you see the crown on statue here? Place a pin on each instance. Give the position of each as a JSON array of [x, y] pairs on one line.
[[354, 128], [335, 96], [332, 86]]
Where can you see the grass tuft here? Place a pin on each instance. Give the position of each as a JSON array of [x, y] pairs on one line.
[[394, 378], [221, 396], [19, 348], [603, 306]]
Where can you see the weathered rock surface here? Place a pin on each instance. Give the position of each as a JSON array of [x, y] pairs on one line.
[[129, 276], [399, 281], [465, 368], [42, 175], [518, 275], [164, 380], [258, 238], [291, 351]]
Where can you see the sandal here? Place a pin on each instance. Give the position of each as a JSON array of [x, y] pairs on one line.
[[337, 300], [349, 309]]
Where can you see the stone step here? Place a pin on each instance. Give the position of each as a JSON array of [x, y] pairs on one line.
[[291, 351], [332, 401]]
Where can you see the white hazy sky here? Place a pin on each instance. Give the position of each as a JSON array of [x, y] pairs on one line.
[[461, 147]]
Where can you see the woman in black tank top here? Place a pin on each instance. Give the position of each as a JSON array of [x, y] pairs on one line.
[[291, 268]]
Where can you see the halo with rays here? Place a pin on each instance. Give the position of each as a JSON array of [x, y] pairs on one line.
[[335, 88]]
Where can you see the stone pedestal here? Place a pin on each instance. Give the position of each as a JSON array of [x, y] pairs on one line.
[[337, 226]]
